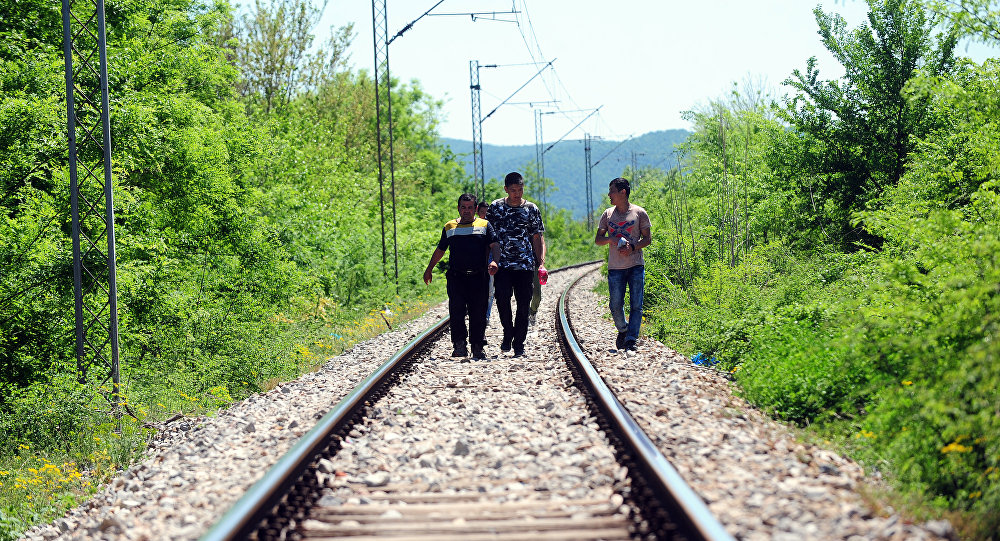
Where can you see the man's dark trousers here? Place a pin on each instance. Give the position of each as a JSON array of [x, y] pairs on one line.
[[467, 294], [518, 283]]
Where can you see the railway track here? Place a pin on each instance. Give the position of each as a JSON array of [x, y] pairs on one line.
[[431, 447]]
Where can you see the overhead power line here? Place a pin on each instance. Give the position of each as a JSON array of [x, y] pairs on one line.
[[612, 150], [414, 21], [571, 129], [521, 87]]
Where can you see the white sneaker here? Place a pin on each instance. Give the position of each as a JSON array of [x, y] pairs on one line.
[[631, 352]]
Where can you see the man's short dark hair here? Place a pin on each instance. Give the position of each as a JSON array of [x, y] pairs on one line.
[[466, 197], [482, 204], [513, 178], [622, 184]]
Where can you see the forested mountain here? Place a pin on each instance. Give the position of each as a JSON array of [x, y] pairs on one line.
[[565, 163]]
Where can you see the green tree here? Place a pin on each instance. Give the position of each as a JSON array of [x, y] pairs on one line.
[[979, 19], [857, 132], [271, 48]]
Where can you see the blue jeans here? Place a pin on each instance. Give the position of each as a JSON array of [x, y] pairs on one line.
[[635, 279]]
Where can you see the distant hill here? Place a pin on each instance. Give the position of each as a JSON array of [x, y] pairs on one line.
[[565, 164]]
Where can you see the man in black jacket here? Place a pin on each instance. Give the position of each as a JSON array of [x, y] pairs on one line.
[[471, 240]]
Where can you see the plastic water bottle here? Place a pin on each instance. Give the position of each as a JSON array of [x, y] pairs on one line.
[[622, 242], [543, 275]]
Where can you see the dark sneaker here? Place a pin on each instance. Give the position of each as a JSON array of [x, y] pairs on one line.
[[519, 352], [505, 343], [620, 341], [460, 351], [477, 353]]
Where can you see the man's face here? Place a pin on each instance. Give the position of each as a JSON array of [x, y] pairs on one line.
[[467, 210], [616, 195], [515, 191]]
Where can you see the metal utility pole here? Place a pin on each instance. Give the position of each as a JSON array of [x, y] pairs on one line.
[[479, 177], [383, 116], [95, 288], [383, 127], [589, 182], [539, 153], [635, 168], [477, 130], [478, 171]]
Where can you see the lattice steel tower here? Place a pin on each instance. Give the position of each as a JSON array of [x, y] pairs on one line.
[[95, 287], [479, 176], [539, 153], [589, 181], [383, 127]]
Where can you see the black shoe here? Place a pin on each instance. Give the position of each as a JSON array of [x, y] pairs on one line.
[[460, 351], [620, 341], [477, 353], [518, 352], [505, 343]]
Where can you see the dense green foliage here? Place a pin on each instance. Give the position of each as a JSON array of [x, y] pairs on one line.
[[839, 254], [248, 219]]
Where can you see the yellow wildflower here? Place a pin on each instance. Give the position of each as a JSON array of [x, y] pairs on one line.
[[955, 447]]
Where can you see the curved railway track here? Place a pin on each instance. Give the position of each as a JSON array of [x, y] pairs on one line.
[[385, 464]]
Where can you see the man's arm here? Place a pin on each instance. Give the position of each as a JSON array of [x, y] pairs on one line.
[[435, 257], [645, 240], [538, 246], [495, 257], [602, 237]]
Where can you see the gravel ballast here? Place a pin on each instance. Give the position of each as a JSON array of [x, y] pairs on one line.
[[759, 481]]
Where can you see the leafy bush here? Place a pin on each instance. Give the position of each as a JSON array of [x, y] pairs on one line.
[[815, 377]]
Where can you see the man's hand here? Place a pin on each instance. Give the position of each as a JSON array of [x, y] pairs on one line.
[[493, 268], [625, 249], [427, 276]]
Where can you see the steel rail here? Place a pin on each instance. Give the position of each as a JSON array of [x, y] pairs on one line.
[[676, 511], [244, 517], [680, 506]]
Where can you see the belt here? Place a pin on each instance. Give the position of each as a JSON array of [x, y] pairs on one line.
[[467, 272]]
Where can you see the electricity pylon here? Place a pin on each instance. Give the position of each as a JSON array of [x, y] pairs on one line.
[[95, 288], [589, 182], [383, 128], [479, 177]]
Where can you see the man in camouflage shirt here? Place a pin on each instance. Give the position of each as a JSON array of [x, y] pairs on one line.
[[519, 228]]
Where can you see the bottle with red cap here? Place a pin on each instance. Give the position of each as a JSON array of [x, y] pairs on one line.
[[543, 275]]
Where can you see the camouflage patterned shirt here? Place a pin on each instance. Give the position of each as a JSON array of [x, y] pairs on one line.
[[514, 228]]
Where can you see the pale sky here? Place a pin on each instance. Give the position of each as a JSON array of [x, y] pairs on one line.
[[642, 62]]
